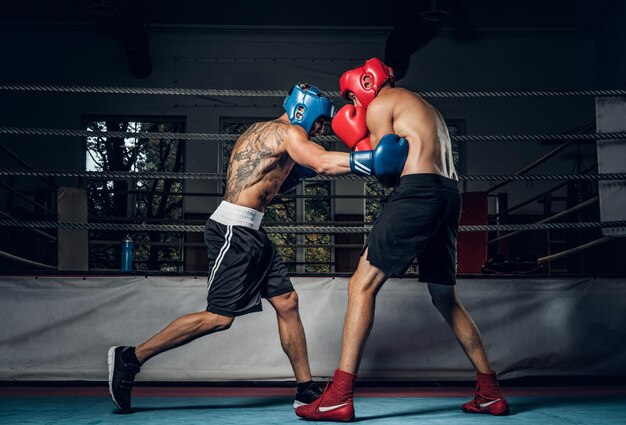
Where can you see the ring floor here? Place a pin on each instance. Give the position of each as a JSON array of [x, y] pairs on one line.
[[261, 405]]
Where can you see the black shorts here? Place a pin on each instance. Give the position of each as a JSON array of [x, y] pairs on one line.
[[243, 267], [420, 219]]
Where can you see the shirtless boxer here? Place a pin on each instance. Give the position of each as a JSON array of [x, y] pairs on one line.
[[420, 219]]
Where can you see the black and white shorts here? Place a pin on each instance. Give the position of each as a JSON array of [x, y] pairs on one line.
[[420, 219], [244, 265]]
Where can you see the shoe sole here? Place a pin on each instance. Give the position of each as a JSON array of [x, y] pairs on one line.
[[111, 363], [327, 419], [505, 413], [352, 419]]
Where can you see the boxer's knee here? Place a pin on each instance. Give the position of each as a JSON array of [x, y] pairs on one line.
[[285, 304], [443, 297]]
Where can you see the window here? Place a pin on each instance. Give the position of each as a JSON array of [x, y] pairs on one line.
[[134, 200]]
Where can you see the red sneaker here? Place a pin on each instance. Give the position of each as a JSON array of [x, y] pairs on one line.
[[335, 404], [488, 397]]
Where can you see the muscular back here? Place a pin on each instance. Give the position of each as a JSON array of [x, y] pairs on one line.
[[399, 111], [258, 165]]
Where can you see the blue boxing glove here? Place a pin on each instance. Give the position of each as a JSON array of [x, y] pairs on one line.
[[296, 176], [385, 162]]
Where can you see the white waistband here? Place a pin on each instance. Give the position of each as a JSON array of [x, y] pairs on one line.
[[236, 215]]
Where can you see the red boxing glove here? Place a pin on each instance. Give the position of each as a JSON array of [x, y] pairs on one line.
[[363, 145], [350, 126]]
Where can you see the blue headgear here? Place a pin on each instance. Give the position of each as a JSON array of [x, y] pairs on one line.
[[312, 104]]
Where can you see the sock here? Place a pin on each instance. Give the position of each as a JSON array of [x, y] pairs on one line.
[[129, 356], [304, 385], [342, 387], [488, 385]]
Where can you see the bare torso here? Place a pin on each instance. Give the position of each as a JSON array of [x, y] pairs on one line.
[[258, 165], [402, 112]]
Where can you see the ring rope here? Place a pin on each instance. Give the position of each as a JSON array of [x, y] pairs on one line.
[[299, 229], [39, 232], [146, 90], [533, 164], [578, 248], [213, 137], [268, 222], [539, 195], [203, 245], [160, 175], [26, 261], [165, 175], [118, 134], [283, 93], [26, 198], [550, 218]]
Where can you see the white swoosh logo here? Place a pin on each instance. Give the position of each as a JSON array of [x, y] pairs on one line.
[[328, 408], [483, 405]]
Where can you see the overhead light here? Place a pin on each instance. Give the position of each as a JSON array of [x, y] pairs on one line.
[[101, 7], [434, 15]]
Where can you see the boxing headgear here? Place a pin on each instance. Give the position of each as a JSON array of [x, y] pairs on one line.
[[352, 80], [306, 105]]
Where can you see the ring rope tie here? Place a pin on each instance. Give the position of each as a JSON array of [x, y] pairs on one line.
[[283, 93], [300, 229], [167, 175], [212, 137]]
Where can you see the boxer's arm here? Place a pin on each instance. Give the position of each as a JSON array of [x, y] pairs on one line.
[[311, 155], [379, 120]]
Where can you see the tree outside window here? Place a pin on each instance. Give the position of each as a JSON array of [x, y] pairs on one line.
[[134, 200]]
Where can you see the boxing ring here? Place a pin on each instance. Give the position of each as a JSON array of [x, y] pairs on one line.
[[558, 342]]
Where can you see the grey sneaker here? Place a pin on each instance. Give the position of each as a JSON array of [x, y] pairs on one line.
[[121, 377]]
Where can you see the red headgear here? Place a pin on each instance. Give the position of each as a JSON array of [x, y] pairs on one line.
[[352, 80]]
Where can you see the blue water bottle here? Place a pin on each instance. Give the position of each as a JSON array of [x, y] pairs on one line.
[[127, 254]]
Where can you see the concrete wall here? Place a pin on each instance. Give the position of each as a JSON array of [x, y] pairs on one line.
[[610, 39]]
